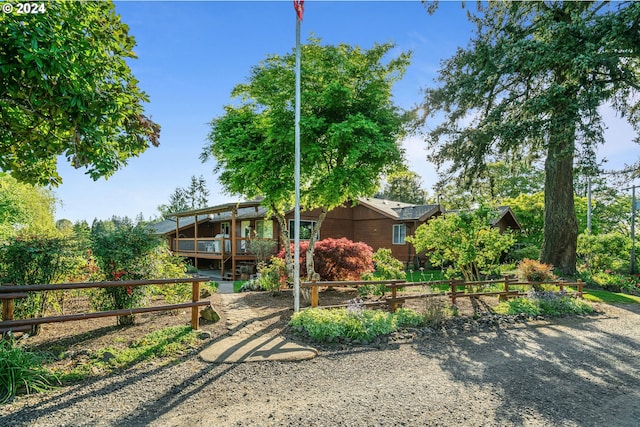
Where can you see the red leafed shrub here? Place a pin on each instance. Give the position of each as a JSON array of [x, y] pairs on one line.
[[337, 259]]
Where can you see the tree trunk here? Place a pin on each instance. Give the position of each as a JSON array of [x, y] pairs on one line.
[[560, 225], [311, 268], [286, 243]]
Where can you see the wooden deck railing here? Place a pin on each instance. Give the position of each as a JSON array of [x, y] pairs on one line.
[[9, 292], [395, 300]]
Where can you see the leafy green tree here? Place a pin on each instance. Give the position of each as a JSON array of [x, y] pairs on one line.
[[530, 84], [25, 209], [466, 240], [500, 180], [350, 130], [404, 186], [66, 90]]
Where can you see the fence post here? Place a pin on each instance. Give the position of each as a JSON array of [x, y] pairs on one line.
[[8, 306], [195, 297], [579, 288], [506, 289], [314, 294], [453, 291]]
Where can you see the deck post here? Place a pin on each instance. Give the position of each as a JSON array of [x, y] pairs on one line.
[[233, 244], [195, 297]]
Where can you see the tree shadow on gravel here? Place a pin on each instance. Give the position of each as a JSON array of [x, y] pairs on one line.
[[575, 371], [109, 388]]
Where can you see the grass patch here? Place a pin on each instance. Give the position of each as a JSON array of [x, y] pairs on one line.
[[425, 275], [610, 297], [237, 285], [22, 371], [169, 342]]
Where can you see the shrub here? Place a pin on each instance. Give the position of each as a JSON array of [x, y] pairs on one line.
[[604, 251], [273, 276], [337, 259], [544, 303], [130, 252], [434, 312], [21, 371], [33, 261], [261, 248], [613, 282], [534, 271], [329, 325], [386, 266], [526, 252]]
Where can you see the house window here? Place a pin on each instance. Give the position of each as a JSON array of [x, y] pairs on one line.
[[399, 233], [306, 227], [264, 229], [225, 227]]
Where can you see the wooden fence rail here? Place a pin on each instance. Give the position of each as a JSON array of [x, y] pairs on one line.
[[395, 300], [9, 292]]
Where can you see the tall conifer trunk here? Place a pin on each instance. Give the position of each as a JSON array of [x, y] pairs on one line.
[[560, 225]]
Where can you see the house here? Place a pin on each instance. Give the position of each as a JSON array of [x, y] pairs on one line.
[[216, 237]]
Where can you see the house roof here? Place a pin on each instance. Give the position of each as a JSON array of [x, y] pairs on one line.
[[384, 206], [398, 211], [503, 211], [168, 225], [417, 212]]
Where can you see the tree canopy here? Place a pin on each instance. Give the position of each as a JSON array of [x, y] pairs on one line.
[[66, 90], [404, 186], [350, 128], [529, 85], [24, 209], [184, 198]]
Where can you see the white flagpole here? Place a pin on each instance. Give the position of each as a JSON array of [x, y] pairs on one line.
[[296, 250]]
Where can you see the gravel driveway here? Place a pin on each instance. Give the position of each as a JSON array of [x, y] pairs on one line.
[[581, 371]]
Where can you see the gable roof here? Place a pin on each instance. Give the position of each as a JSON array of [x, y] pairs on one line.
[[384, 206]]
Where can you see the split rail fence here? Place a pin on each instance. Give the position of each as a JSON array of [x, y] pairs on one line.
[[457, 289], [9, 293]]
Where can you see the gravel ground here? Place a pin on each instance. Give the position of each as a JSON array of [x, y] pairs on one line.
[[580, 371]]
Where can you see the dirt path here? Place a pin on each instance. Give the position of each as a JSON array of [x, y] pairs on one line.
[[570, 372]]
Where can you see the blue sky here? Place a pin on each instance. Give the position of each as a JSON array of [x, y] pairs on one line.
[[191, 54]]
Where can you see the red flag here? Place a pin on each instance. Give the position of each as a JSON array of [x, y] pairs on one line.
[[298, 5]]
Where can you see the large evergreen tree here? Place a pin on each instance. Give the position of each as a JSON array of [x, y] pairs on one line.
[[530, 84]]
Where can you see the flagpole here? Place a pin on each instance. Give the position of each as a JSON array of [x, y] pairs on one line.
[[296, 250]]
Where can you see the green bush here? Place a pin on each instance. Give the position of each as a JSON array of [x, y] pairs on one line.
[[21, 371], [613, 282], [387, 267], [273, 276], [604, 251], [36, 260], [526, 252], [544, 303], [353, 323], [130, 252]]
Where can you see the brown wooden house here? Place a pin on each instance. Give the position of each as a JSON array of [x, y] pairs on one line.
[[216, 237]]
